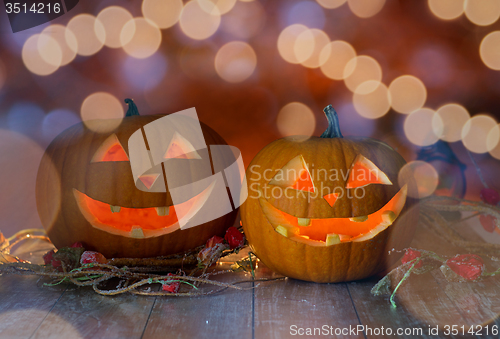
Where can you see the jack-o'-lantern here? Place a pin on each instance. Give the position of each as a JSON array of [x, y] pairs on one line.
[[327, 209], [86, 191]]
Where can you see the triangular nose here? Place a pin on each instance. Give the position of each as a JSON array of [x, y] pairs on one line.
[[331, 198], [149, 179]]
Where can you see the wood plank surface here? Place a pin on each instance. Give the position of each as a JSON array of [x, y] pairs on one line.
[[24, 304], [227, 314], [461, 304], [82, 313], [270, 310], [287, 308], [376, 312]]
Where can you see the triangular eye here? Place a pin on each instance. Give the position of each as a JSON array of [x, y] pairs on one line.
[[363, 172], [180, 148], [294, 174], [110, 150]]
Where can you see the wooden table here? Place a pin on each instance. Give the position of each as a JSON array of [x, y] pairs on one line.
[[277, 309]]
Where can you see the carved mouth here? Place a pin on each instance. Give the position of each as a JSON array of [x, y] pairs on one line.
[[332, 231], [138, 222]]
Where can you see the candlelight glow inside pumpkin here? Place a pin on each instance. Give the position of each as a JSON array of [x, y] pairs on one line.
[[329, 208], [331, 231], [152, 209], [136, 222], [139, 222]]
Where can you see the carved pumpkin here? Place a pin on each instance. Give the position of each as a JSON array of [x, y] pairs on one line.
[[327, 209], [86, 191]]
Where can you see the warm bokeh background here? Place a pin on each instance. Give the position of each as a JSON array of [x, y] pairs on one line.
[[409, 72]]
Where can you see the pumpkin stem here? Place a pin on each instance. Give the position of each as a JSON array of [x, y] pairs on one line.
[[333, 129], [132, 108]]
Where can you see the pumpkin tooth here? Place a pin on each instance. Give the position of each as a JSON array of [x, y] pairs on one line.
[[286, 231], [115, 209], [137, 232], [162, 211], [344, 237], [303, 221], [359, 219], [388, 216], [332, 239]]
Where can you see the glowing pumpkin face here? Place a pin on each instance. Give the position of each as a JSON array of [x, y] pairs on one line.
[[331, 231], [326, 209], [86, 191]]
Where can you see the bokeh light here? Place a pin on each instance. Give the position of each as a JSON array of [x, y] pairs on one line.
[[331, 4], [50, 50], [482, 12], [287, 41], [197, 23], [334, 57], [164, 13], [309, 45], [245, 20], [365, 8], [362, 69], [20, 157], [446, 9], [235, 61], [351, 122], [372, 103], [102, 105], [144, 74], [425, 175], [453, 118], [140, 37], [25, 117], [89, 33], [419, 128], [408, 94], [476, 131], [296, 119], [113, 19], [32, 58], [64, 39], [57, 121], [216, 6], [307, 13], [24, 313], [493, 142], [489, 50]]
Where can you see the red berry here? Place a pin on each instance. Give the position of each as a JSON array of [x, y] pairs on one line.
[[214, 241], [57, 264], [468, 266], [77, 245], [410, 255], [490, 196], [488, 222], [172, 287], [47, 257], [234, 237], [91, 257]]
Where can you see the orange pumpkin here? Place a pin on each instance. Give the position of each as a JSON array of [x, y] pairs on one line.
[[327, 209], [86, 192]]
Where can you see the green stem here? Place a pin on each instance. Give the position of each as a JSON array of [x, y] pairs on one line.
[[407, 274], [492, 273], [333, 129], [132, 108]]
